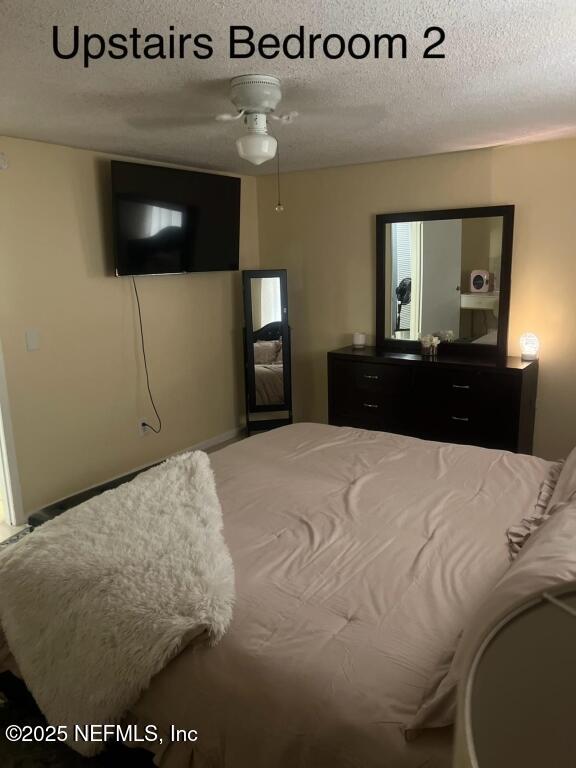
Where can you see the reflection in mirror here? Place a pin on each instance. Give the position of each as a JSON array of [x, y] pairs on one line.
[[268, 384], [444, 276], [267, 335]]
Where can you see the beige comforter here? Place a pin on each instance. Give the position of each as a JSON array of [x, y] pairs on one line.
[[269, 384], [359, 557]]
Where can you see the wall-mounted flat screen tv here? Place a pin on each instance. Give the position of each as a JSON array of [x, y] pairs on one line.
[[168, 221]]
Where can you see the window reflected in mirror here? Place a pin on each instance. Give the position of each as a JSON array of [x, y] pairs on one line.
[[443, 278], [267, 334]]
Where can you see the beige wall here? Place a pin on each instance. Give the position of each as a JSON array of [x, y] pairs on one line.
[[481, 249], [325, 238], [76, 402]]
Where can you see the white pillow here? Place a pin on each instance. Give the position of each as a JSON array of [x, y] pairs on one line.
[[565, 489], [548, 559], [265, 352], [519, 534]]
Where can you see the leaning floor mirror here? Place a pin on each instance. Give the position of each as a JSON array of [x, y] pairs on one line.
[[267, 360]]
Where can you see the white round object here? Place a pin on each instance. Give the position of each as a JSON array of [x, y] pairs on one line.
[[517, 701], [257, 148], [255, 93], [529, 346]]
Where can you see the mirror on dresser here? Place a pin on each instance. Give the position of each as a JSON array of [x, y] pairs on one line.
[[445, 273], [267, 357]]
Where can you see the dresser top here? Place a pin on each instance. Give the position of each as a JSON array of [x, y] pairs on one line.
[[376, 355]]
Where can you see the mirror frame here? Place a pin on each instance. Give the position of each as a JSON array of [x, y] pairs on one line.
[[249, 373], [456, 348]]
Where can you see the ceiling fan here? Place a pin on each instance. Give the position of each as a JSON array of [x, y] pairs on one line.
[[256, 98]]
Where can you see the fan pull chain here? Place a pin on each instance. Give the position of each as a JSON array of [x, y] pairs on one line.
[[279, 207]]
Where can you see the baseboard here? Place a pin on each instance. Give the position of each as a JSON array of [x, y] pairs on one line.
[[214, 442], [205, 445]]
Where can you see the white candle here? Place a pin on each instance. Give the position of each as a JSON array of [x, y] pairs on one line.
[[359, 340]]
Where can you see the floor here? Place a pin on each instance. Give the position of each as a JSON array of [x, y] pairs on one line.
[[18, 707], [6, 530]]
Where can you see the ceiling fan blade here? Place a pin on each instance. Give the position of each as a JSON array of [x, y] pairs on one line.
[[228, 118], [287, 118]]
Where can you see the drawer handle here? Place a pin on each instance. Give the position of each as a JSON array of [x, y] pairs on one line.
[[370, 376], [460, 386], [460, 418], [370, 405]]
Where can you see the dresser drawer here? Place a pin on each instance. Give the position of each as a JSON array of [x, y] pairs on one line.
[[475, 407], [369, 395], [465, 384], [474, 429]]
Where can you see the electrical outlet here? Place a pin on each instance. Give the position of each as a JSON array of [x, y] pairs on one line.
[[143, 428]]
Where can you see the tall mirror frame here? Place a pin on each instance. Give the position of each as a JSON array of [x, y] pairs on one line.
[[463, 349], [280, 413]]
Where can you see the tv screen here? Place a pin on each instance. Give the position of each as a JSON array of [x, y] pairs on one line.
[[168, 221]]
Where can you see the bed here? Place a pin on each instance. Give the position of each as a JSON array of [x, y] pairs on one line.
[[269, 380], [269, 372], [489, 338], [359, 557]]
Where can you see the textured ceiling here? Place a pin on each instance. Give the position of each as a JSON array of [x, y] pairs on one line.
[[509, 76]]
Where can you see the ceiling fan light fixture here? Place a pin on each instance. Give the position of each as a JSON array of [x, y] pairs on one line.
[[257, 146], [256, 98]]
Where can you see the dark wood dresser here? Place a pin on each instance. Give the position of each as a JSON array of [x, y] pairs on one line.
[[450, 399]]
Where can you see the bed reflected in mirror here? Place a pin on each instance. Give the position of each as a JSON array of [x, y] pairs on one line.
[[267, 334], [267, 349]]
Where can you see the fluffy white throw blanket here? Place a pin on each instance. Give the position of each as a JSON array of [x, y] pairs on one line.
[[98, 600]]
